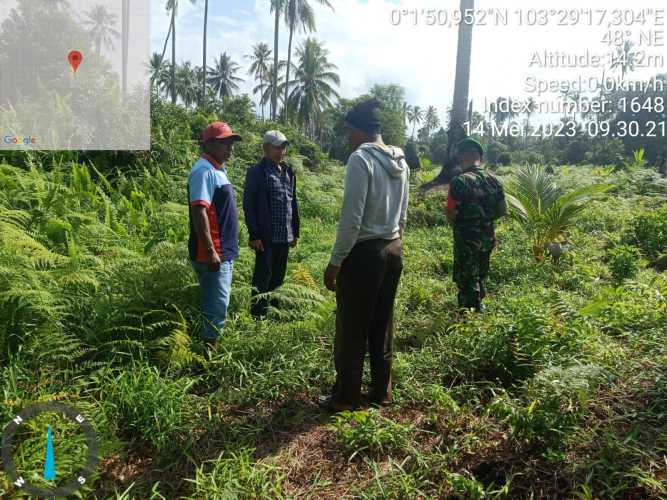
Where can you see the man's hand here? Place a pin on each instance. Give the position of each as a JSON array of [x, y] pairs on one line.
[[257, 245], [330, 276], [294, 243], [213, 260]]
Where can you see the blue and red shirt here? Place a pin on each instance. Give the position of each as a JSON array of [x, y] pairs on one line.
[[209, 186]]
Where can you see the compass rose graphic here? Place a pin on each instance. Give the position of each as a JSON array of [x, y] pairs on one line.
[[62, 487]]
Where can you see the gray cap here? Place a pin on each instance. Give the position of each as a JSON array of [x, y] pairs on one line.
[[275, 138]]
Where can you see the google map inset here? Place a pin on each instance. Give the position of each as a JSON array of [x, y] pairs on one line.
[[74, 75]]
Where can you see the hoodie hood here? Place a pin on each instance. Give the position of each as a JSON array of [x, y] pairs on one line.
[[391, 158]]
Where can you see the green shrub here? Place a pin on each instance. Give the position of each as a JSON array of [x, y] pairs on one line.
[[527, 158], [412, 156], [493, 151], [512, 347], [439, 154], [505, 159], [638, 161], [427, 211], [623, 262], [555, 399], [605, 152], [660, 264], [575, 151], [648, 231], [635, 308]]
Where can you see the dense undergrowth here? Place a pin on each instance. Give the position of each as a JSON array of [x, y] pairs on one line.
[[558, 391]]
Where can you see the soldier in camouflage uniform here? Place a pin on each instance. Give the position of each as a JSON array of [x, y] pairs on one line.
[[476, 199]]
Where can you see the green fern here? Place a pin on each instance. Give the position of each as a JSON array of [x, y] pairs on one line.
[[294, 301], [174, 349]]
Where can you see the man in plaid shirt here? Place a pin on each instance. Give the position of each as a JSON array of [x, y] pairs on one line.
[[272, 217]]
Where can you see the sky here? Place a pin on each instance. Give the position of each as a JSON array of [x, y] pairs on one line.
[[368, 47], [369, 44]]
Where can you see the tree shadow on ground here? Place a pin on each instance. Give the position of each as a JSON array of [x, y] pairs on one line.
[[267, 428]]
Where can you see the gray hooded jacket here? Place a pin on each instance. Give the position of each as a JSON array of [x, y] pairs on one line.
[[375, 203]]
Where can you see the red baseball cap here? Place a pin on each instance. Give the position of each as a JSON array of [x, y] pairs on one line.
[[219, 130]]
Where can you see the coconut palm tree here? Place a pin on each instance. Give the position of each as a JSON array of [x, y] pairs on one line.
[[187, 87], [407, 108], [164, 51], [101, 26], [259, 69], [543, 209], [626, 58], [266, 95], [314, 83], [172, 7], [277, 7], [205, 46], [415, 116], [504, 110], [299, 15], [431, 119], [159, 73], [222, 76]]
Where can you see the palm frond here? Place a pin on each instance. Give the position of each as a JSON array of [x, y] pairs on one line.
[[543, 209]]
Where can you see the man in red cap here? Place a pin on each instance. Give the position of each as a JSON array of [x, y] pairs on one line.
[[214, 241]]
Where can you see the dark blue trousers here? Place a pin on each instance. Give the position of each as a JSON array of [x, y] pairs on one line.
[[269, 274]]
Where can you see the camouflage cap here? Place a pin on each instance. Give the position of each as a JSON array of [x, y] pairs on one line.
[[469, 143]]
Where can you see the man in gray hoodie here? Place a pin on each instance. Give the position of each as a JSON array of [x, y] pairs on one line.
[[366, 261]]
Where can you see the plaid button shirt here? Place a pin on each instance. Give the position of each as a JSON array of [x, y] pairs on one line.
[[280, 197]]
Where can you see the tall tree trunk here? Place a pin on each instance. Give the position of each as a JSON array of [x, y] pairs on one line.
[[261, 92], [203, 78], [462, 82], [292, 12], [126, 40], [274, 90], [459, 114], [159, 68], [173, 54]]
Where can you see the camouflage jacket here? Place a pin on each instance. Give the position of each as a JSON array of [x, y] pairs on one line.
[[479, 196]]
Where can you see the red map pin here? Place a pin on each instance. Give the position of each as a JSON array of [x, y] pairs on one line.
[[75, 58]]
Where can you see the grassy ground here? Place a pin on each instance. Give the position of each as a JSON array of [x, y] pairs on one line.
[[558, 391]]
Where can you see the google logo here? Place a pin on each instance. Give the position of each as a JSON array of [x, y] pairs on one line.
[[27, 140]]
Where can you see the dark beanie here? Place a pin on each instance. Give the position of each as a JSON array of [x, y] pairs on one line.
[[365, 116]]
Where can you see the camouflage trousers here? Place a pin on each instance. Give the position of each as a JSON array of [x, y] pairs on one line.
[[471, 267]]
